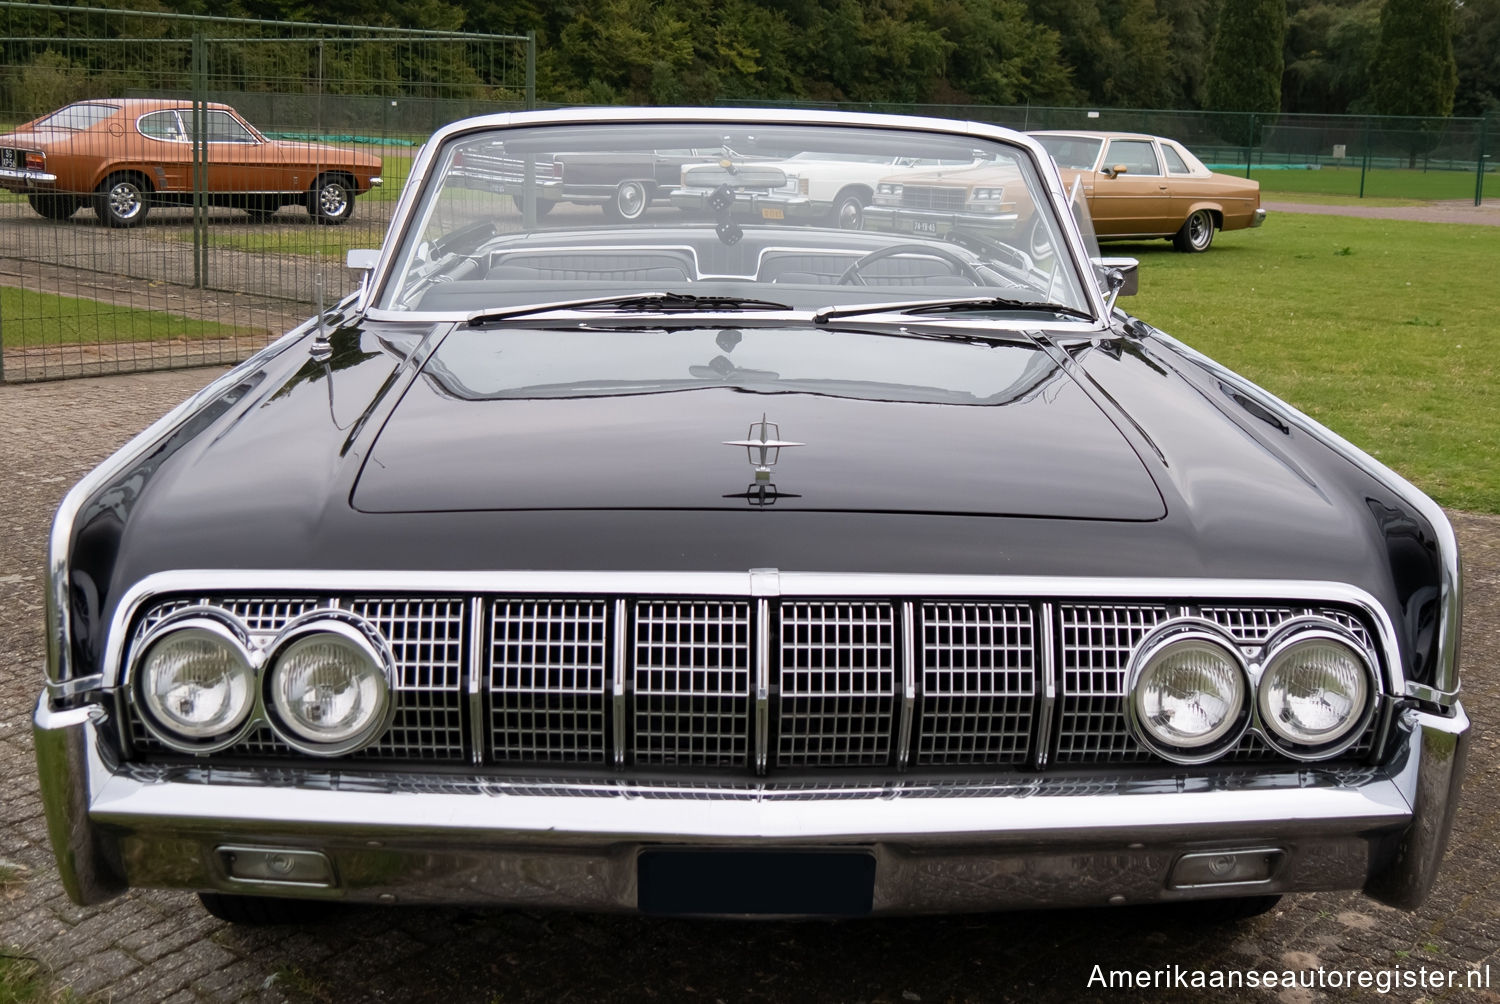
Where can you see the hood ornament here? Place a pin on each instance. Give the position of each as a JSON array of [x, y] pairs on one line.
[[763, 445]]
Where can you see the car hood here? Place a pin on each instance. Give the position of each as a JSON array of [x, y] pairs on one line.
[[526, 419]]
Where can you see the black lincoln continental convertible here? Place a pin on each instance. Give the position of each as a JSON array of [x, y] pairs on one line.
[[733, 562]]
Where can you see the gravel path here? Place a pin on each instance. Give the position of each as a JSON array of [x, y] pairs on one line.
[[1448, 211], [159, 946]]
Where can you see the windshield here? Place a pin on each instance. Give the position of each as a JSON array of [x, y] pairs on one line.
[[80, 116], [798, 217]]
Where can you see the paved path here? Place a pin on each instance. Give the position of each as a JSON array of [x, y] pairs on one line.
[[1448, 211], [159, 946]]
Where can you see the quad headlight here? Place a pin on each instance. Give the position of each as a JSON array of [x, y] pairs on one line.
[[328, 685], [1188, 693], [1316, 690], [195, 679]]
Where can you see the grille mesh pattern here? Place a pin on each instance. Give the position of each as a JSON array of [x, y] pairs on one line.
[[978, 683], [548, 695], [692, 683], [1093, 655], [920, 197], [838, 684]]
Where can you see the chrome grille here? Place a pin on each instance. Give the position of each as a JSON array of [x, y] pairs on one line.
[[672, 682], [838, 684], [547, 692], [945, 199], [978, 683], [691, 682], [1093, 652]]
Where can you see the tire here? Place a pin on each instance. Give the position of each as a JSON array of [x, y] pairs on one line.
[[262, 910], [630, 202], [543, 206], [1038, 241], [122, 200], [55, 207], [1197, 232], [848, 211], [330, 201]]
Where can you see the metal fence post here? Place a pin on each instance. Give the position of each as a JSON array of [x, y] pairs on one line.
[[1364, 158], [198, 86], [530, 70], [1479, 160], [1250, 145]]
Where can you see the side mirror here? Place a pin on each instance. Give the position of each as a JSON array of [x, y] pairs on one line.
[[1117, 277], [364, 261], [1116, 171]]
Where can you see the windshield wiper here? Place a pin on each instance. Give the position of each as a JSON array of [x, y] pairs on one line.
[[653, 303], [956, 306]]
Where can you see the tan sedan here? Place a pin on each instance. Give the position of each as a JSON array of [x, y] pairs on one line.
[[1148, 186], [123, 155]]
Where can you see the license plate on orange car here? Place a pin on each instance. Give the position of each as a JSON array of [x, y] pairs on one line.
[[772, 214]]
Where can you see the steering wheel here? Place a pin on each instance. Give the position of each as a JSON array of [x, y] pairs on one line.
[[852, 277]]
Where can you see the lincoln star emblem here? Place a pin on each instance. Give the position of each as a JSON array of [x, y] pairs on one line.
[[763, 445]]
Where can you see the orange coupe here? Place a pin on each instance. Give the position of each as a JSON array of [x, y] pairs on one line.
[[122, 156]]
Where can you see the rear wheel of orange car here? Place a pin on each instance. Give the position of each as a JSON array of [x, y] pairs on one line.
[[1197, 232], [331, 200], [55, 207], [122, 200]]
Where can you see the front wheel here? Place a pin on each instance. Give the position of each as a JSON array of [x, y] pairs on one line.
[[848, 211], [1197, 232], [55, 207], [629, 202], [331, 200], [121, 200]]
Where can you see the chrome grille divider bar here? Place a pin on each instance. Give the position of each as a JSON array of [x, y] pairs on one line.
[[1047, 696], [617, 678], [908, 684], [762, 684], [478, 667]]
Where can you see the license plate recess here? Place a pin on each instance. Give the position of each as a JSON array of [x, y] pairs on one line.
[[697, 882]]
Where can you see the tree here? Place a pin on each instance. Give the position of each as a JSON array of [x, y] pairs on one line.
[[1329, 46], [1476, 47], [1414, 71], [1245, 65]]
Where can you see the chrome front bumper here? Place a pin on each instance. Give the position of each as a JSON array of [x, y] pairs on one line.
[[939, 845]]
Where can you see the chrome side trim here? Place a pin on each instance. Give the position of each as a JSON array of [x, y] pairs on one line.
[[789, 584], [1446, 685], [67, 760], [59, 542]]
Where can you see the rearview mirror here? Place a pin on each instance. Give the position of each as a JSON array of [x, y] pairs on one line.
[[1116, 171]]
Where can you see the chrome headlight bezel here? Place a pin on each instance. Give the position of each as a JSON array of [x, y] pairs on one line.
[[1169, 636], [1286, 639], [350, 630], [227, 629]]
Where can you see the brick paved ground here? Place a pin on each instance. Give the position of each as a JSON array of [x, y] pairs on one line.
[[154, 946]]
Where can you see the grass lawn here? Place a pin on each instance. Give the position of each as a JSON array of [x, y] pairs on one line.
[[29, 319], [1382, 330], [1383, 183]]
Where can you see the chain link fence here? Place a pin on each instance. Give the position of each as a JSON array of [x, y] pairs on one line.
[[179, 190], [1348, 155]]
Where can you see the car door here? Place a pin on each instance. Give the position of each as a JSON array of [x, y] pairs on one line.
[[1136, 202], [165, 149], [238, 160]]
